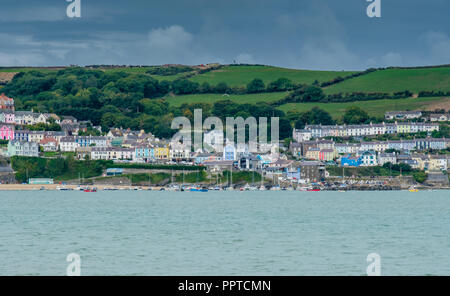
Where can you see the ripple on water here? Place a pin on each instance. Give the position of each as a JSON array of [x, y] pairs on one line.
[[253, 233]]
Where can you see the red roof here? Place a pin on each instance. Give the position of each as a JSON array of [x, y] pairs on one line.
[[48, 140], [5, 99]]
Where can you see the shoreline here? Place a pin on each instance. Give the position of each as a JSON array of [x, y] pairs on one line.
[[58, 187]]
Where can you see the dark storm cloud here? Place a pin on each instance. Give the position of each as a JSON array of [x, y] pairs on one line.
[[312, 34]]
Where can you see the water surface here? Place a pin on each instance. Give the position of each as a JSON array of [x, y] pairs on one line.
[[224, 233]]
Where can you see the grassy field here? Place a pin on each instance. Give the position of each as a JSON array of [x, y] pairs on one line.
[[393, 80], [211, 98], [242, 75], [15, 70], [374, 108], [143, 70]]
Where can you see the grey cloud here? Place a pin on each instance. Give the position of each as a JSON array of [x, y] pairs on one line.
[[320, 34]]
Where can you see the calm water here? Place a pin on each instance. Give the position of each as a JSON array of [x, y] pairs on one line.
[[224, 233]]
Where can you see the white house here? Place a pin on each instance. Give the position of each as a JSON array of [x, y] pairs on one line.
[[369, 158], [386, 158], [301, 135], [68, 144]]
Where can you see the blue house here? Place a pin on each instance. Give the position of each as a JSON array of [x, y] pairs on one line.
[[145, 153], [351, 161]]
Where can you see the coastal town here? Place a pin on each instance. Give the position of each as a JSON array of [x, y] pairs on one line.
[[318, 157]]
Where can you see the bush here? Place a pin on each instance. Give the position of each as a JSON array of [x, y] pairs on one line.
[[420, 177]]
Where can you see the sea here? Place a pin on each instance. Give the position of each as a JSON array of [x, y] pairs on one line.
[[225, 233]]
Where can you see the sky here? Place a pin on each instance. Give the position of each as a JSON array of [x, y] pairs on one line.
[[301, 34]]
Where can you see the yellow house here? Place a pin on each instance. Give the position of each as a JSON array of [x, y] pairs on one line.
[[162, 151], [403, 128], [313, 153]]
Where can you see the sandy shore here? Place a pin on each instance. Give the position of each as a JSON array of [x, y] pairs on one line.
[[27, 187]]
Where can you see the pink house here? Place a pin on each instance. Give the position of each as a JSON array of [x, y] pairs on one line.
[[7, 132], [7, 116]]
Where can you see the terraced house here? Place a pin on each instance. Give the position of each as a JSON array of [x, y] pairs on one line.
[[87, 141], [144, 153], [321, 131], [7, 116], [112, 153], [68, 144], [162, 151], [21, 148], [7, 132]]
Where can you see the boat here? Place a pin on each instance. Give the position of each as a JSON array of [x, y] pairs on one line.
[[110, 189], [313, 189], [90, 189], [413, 189], [198, 189], [63, 188], [245, 188]]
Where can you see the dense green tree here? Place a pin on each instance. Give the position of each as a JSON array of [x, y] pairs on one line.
[[281, 84], [221, 88], [184, 86], [314, 116], [355, 115], [256, 86]]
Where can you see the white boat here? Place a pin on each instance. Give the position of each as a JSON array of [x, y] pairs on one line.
[[246, 187], [63, 188]]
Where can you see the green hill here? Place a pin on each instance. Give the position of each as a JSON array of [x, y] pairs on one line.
[[393, 80], [374, 108], [380, 81], [211, 98], [242, 75]]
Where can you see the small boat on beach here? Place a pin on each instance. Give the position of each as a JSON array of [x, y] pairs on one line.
[[413, 189], [63, 188], [90, 189], [313, 189]]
